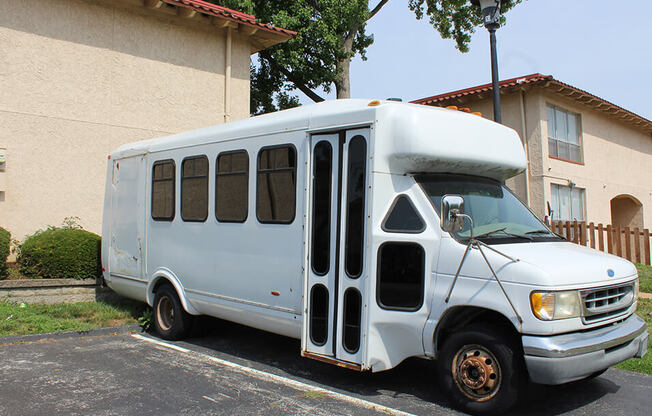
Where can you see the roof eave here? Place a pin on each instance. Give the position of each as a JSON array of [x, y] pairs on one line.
[[262, 35], [549, 83]]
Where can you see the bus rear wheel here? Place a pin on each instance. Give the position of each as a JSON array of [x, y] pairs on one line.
[[481, 370], [170, 319]]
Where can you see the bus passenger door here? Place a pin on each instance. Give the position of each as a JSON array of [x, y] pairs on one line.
[[334, 302], [321, 290]]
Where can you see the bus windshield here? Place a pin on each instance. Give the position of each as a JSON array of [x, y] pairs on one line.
[[498, 216]]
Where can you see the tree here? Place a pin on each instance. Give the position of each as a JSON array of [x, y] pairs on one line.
[[329, 34]]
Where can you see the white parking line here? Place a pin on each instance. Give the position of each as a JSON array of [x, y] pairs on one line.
[[280, 379]]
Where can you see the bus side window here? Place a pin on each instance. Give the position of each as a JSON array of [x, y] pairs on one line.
[[232, 186], [401, 271], [276, 185], [194, 188], [403, 217], [163, 185]]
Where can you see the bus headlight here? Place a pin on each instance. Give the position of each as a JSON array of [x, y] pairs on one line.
[[550, 306]]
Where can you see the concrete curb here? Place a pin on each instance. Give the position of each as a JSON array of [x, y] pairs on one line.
[[124, 329], [645, 295], [40, 283]]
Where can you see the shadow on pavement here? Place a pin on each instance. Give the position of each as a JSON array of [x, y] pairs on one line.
[[414, 378]]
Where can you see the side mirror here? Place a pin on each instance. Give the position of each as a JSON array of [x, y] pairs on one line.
[[546, 220], [451, 207]]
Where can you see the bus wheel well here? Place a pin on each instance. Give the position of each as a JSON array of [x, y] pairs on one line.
[[160, 282], [459, 317]]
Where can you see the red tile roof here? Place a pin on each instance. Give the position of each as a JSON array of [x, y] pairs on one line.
[[528, 79], [580, 96], [236, 16]]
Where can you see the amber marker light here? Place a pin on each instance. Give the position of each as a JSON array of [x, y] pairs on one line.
[[550, 306], [374, 103], [477, 113], [452, 107]]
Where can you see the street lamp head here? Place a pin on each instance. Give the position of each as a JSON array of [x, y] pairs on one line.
[[490, 12]]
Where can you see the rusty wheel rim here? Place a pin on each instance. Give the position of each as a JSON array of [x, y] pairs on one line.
[[165, 313], [476, 372]]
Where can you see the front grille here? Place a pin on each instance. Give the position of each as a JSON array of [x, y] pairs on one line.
[[606, 302]]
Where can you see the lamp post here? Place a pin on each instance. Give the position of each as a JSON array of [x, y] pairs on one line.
[[491, 19]]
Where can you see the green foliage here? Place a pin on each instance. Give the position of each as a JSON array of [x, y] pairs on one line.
[[642, 365], [645, 277], [145, 320], [329, 34], [21, 319], [58, 253], [5, 243], [455, 19]]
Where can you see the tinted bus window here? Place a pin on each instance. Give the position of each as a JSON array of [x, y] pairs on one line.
[[276, 186], [232, 186]]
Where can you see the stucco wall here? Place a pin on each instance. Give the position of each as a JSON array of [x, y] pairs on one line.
[[511, 105], [617, 161], [617, 157], [79, 78]]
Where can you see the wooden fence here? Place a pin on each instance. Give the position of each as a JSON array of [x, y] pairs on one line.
[[631, 244]]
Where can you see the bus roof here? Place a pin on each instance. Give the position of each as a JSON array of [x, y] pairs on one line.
[[409, 138]]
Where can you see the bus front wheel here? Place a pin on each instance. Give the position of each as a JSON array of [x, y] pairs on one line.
[[481, 370], [170, 319]]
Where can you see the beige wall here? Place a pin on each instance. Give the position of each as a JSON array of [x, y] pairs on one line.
[[80, 78], [617, 161], [617, 157], [521, 114]]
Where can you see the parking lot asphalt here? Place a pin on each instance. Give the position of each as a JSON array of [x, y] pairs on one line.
[[228, 369]]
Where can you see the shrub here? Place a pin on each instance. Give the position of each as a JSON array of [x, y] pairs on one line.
[[5, 242], [58, 253]]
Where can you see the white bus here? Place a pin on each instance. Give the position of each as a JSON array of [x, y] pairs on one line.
[[372, 231]]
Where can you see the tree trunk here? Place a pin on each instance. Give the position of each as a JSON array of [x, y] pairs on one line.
[[343, 66], [343, 83]]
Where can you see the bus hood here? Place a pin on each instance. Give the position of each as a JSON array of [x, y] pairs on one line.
[[556, 264], [565, 264]]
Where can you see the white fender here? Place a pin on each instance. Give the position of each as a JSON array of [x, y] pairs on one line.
[[167, 274]]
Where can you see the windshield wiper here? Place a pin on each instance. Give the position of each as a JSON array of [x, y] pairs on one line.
[[487, 234], [539, 232], [502, 230]]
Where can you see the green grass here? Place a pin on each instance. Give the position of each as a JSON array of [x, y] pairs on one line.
[[645, 277], [642, 365], [82, 316]]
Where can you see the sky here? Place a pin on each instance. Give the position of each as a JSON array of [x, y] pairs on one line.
[[600, 46]]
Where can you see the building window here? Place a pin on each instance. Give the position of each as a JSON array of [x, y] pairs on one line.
[[163, 190], [276, 190], [564, 132], [567, 203], [194, 188], [232, 186]]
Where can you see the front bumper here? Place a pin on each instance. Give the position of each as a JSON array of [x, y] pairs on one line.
[[563, 358]]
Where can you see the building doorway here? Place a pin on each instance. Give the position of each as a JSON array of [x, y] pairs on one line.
[[626, 211]]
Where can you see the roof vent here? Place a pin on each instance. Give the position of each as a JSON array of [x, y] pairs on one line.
[[400, 100]]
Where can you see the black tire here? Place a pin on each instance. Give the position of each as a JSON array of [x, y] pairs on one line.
[[170, 319], [481, 370]]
